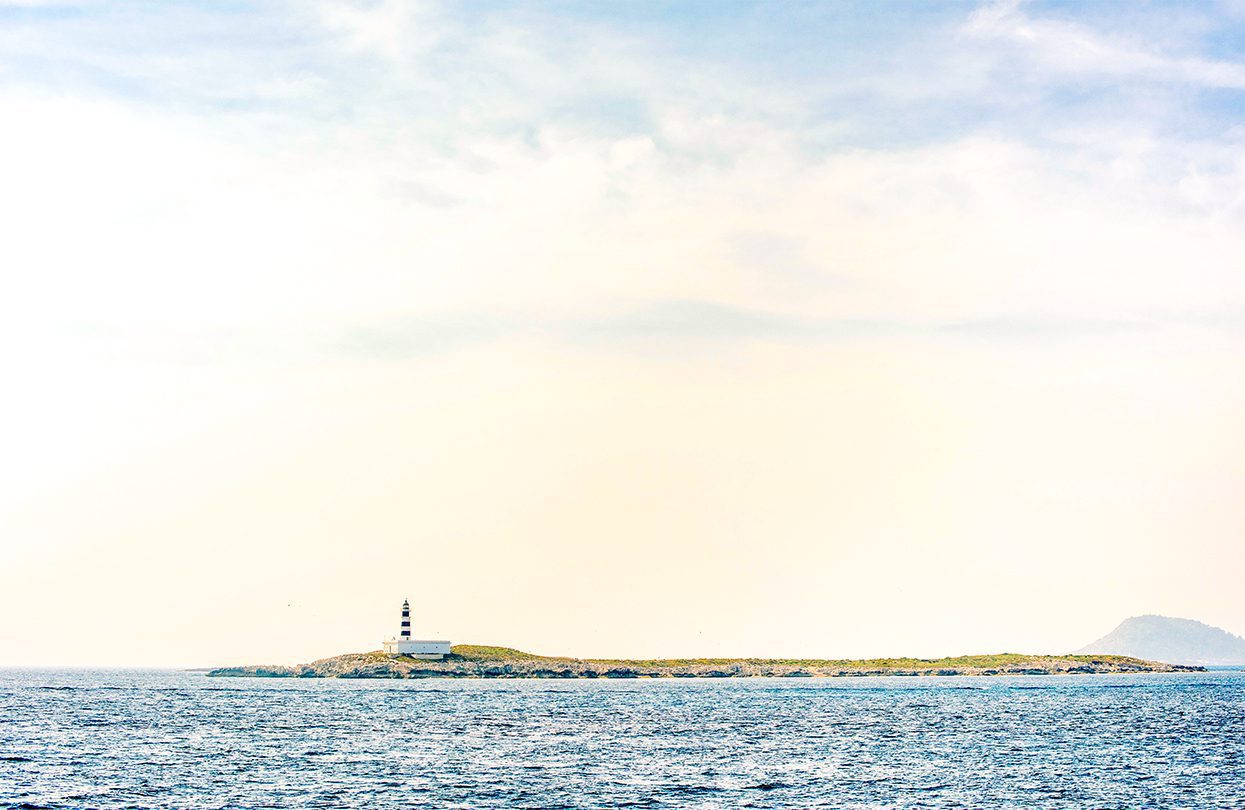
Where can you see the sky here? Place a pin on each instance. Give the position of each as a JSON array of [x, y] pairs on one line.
[[632, 330]]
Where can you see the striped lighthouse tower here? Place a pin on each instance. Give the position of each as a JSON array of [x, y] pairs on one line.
[[403, 644]]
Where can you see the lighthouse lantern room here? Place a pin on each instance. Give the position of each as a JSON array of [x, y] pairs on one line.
[[403, 644]]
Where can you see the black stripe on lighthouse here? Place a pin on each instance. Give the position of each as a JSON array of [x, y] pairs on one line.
[[406, 620]]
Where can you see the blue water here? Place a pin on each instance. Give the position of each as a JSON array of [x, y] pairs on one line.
[[173, 739]]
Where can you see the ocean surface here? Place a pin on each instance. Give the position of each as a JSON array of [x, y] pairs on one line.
[[113, 739]]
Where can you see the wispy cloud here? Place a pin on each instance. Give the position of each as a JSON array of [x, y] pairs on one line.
[[363, 159], [394, 30], [687, 325], [1069, 49]]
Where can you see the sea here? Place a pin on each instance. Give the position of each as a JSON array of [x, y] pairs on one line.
[[144, 739]]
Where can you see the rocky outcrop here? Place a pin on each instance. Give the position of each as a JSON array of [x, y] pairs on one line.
[[469, 661]]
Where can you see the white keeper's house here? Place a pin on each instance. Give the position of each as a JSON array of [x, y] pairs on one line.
[[403, 644]]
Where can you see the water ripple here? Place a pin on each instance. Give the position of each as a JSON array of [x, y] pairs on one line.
[[169, 739]]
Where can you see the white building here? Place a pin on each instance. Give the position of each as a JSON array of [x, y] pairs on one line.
[[403, 644]]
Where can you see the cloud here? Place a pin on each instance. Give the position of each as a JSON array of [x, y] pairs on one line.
[[48, 4], [415, 337], [679, 325], [1066, 48], [675, 322], [681, 320], [395, 30], [1028, 327], [436, 194]]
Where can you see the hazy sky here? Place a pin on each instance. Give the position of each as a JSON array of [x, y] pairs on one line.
[[640, 329]]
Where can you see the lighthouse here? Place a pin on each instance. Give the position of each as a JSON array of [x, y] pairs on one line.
[[403, 644]]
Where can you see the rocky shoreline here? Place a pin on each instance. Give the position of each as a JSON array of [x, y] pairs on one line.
[[468, 661]]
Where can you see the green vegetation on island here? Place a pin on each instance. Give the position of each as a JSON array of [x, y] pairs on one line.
[[474, 661]]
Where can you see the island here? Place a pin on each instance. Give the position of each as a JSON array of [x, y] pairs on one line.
[[474, 661], [1181, 641]]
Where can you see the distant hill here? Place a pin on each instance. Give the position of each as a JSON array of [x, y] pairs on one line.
[[1176, 641]]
